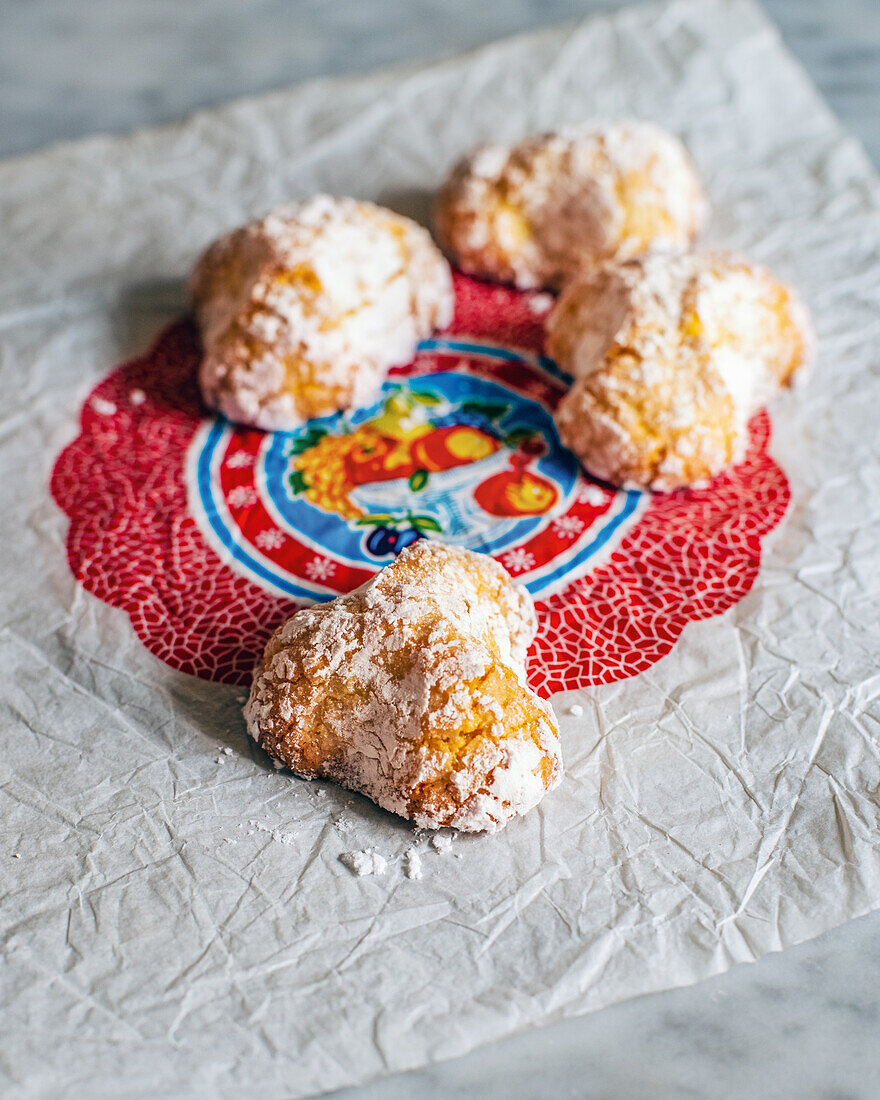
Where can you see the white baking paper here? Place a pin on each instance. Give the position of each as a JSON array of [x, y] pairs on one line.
[[178, 922]]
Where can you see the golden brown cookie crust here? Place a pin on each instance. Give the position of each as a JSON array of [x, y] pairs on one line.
[[538, 212], [304, 312], [671, 355], [412, 691]]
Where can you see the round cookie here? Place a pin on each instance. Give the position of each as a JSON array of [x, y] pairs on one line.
[[304, 312], [671, 354], [536, 213], [412, 690]]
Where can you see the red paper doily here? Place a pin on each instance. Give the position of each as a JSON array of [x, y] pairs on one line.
[[208, 535]]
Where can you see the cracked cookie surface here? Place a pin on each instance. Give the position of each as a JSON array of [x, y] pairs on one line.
[[412, 691], [303, 312], [536, 213], [671, 355]]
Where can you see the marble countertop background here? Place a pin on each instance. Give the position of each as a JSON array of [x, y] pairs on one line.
[[802, 1024], [71, 68]]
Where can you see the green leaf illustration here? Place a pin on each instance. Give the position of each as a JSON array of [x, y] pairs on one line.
[[519, 435], [380, 519], [425, 397], [425, 523], [298, 483], [492, 410], [306, 442], [418, 480]]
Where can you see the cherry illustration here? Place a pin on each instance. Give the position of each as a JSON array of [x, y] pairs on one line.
[[406, 538], [382, 541], [385, 540]]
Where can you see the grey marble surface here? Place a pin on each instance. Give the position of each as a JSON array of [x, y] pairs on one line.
[[71, 67], [802, 1024]]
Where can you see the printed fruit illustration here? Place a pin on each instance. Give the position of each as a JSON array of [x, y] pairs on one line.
[[516, 492], [377, 458], [406, 538], [457, 445], [386, 540], [412, 437], [381, 541]]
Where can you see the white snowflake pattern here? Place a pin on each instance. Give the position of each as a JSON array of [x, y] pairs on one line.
[[320, 569], [592, 494], [242, 496], [270, 539], [518, 560], [568, 527], [239, 460]]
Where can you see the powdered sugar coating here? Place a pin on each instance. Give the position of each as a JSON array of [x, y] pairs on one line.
[[671, 355], [538, 212], [412, 691], [304, 312]]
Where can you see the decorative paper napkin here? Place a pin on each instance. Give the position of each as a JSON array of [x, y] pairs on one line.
[[177, 918]]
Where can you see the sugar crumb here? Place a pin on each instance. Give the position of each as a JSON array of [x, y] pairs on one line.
[[137, 397], [540, 303], [575, 710], [102, 406], [276, 834], [366, 862], [441, 842], [412, 863]]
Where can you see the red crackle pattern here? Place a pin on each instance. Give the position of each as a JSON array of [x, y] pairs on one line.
[[692, 555], [510, 318], [133, 542]]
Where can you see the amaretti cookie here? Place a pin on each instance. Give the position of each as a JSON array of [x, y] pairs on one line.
[[670, 356], [536, 213], [304, 312], [412, 690]]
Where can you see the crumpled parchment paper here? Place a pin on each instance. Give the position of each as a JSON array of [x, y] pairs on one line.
[[175, 925]]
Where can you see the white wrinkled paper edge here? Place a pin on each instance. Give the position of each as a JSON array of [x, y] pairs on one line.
[[178, 922]]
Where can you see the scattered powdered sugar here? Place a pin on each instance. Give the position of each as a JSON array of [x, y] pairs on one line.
[[441, 842], [137, 397], [575, 710], [102, 406], [366, 862], [275, 833], [412, 863], [227, 751]]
